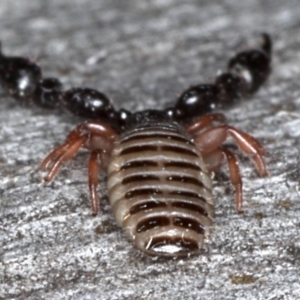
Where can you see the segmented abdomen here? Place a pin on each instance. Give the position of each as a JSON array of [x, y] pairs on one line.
[[160, 191]]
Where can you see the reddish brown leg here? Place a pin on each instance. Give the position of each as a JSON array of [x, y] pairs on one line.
[[56, 160], [204, 122], [93, 181], [54, 155], [60, 150], [212, 138], [97, 128], [214, 161], [96, 137]]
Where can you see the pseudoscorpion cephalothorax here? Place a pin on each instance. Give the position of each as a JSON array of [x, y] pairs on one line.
[[158, 161]]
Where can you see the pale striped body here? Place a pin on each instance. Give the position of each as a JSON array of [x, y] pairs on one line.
[[160, 190]]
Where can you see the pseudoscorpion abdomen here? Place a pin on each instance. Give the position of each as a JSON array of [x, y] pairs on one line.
[[160, 190]]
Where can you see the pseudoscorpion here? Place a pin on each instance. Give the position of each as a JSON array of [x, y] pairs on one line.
[[158, 162]]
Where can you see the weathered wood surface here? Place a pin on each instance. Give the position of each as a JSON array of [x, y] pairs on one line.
[[143, 54]]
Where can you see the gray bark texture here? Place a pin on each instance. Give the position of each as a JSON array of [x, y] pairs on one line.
[[143, 54]]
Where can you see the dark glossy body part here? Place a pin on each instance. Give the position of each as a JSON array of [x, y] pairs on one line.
[[246, 72], [158, 161]]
